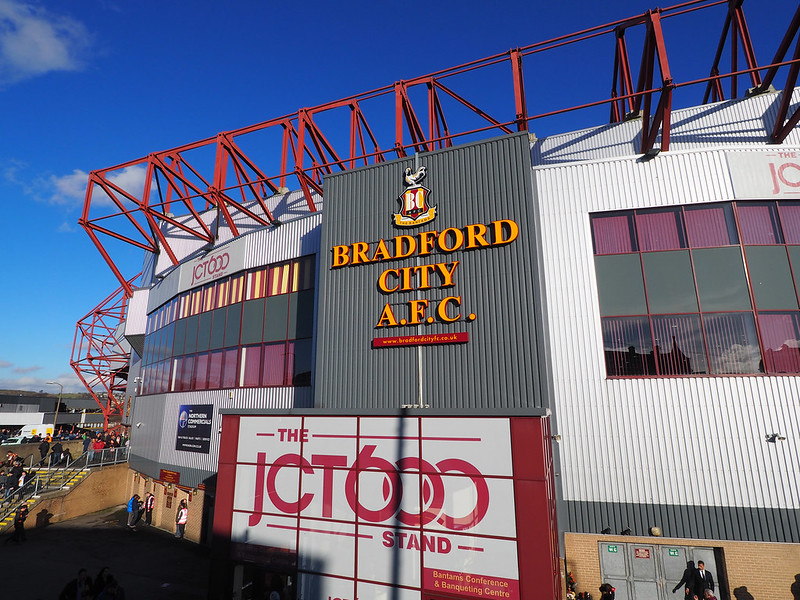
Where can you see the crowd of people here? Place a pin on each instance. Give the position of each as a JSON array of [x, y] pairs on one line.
[[83, 587], [13, 477]]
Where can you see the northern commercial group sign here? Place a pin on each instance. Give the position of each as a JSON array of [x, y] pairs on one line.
[[417, 504]]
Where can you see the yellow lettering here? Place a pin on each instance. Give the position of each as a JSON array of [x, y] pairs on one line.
[[427, 239], [341, 256], [417, 311], [501, 226], [410, 246], [383, 284], [405, 278], [381, 252], [458, 239], [476, 236], [424, 276], [387, 318], [441, 310], [360, 253], [447, 273]]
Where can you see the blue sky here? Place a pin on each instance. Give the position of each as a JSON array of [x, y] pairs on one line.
[[89, 84]]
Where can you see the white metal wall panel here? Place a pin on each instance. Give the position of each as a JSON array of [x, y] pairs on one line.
[[264, 246], [733, 123], [635, 440], [155, 420]]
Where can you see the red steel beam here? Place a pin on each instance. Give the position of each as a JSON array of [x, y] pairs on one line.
[[308, 152], [97, 358]]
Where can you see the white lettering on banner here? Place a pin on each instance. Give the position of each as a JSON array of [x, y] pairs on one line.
[[433, 490]]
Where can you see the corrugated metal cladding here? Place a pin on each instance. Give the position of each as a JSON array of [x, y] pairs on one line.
[[733, 123], [265, 245], [283, 207], [500, 366], [685, 454], [155, 424]]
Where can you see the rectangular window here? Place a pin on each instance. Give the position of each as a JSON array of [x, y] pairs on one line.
[[628, 347], [620, 285], [660, 229], [215, 370], [721, 281], [780, 333], [670, 283], [614, 234], [732, 343], [251, 363], [200, 381], [274, 365], [771, 278], [708, 226], [233, 322], [229, 367], [759, 223], [678, 343]]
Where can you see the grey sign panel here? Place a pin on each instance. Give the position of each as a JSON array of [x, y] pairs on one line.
[[429, 288]]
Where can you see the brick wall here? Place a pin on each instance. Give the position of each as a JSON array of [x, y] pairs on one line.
[[766, 570], [168, 498]]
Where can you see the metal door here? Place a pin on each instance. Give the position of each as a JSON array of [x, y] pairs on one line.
[[648, 571]]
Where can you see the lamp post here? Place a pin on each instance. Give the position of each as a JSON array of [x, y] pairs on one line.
[[60, 392]]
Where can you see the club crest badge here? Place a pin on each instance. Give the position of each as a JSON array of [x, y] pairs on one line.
[[414, 207]]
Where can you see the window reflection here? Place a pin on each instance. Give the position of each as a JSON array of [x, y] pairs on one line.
[[676, 288], [250, 329]]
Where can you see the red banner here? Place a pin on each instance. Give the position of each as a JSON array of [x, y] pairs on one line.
[[460, 337]]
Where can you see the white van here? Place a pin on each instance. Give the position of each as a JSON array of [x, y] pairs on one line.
[[28, 431]]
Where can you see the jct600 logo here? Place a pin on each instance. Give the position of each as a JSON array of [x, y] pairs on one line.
[[322, 465]]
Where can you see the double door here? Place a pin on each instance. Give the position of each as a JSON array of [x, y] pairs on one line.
[[650, 571]]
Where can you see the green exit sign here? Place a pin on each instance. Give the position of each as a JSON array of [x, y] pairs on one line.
[[612, 548]]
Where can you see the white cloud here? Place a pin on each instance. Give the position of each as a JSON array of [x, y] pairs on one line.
[[34, 41], [69, 189], [130, 179], [72, 385]]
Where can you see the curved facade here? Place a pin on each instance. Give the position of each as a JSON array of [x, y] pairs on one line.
[[644, 311]]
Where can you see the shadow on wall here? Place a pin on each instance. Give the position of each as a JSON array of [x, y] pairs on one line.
[[796, 587], [43, 518], [741, 593]]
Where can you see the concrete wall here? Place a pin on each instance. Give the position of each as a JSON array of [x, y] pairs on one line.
[[764, 570], [101, 489], [25, 451]]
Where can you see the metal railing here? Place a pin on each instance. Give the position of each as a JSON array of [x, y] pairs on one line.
[[50, 478]]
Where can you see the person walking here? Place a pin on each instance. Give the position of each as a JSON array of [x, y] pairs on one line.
[[133, 511], [180, 519], [149, 505], [44, 448], [19, 525]]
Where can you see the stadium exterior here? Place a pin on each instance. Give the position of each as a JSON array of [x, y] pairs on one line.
[[473, 370]]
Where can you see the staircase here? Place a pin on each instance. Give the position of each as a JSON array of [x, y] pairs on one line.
[[50, 479]]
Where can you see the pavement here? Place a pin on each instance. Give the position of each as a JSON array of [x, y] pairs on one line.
[[148, 563]]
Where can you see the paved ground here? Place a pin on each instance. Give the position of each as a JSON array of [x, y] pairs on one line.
[[148, 563]]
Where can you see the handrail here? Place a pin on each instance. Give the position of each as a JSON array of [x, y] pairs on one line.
[[44, 481]]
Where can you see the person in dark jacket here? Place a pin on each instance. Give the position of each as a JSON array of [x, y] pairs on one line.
[[44, 448], [19, 525], [687, 581], [81, 587]]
